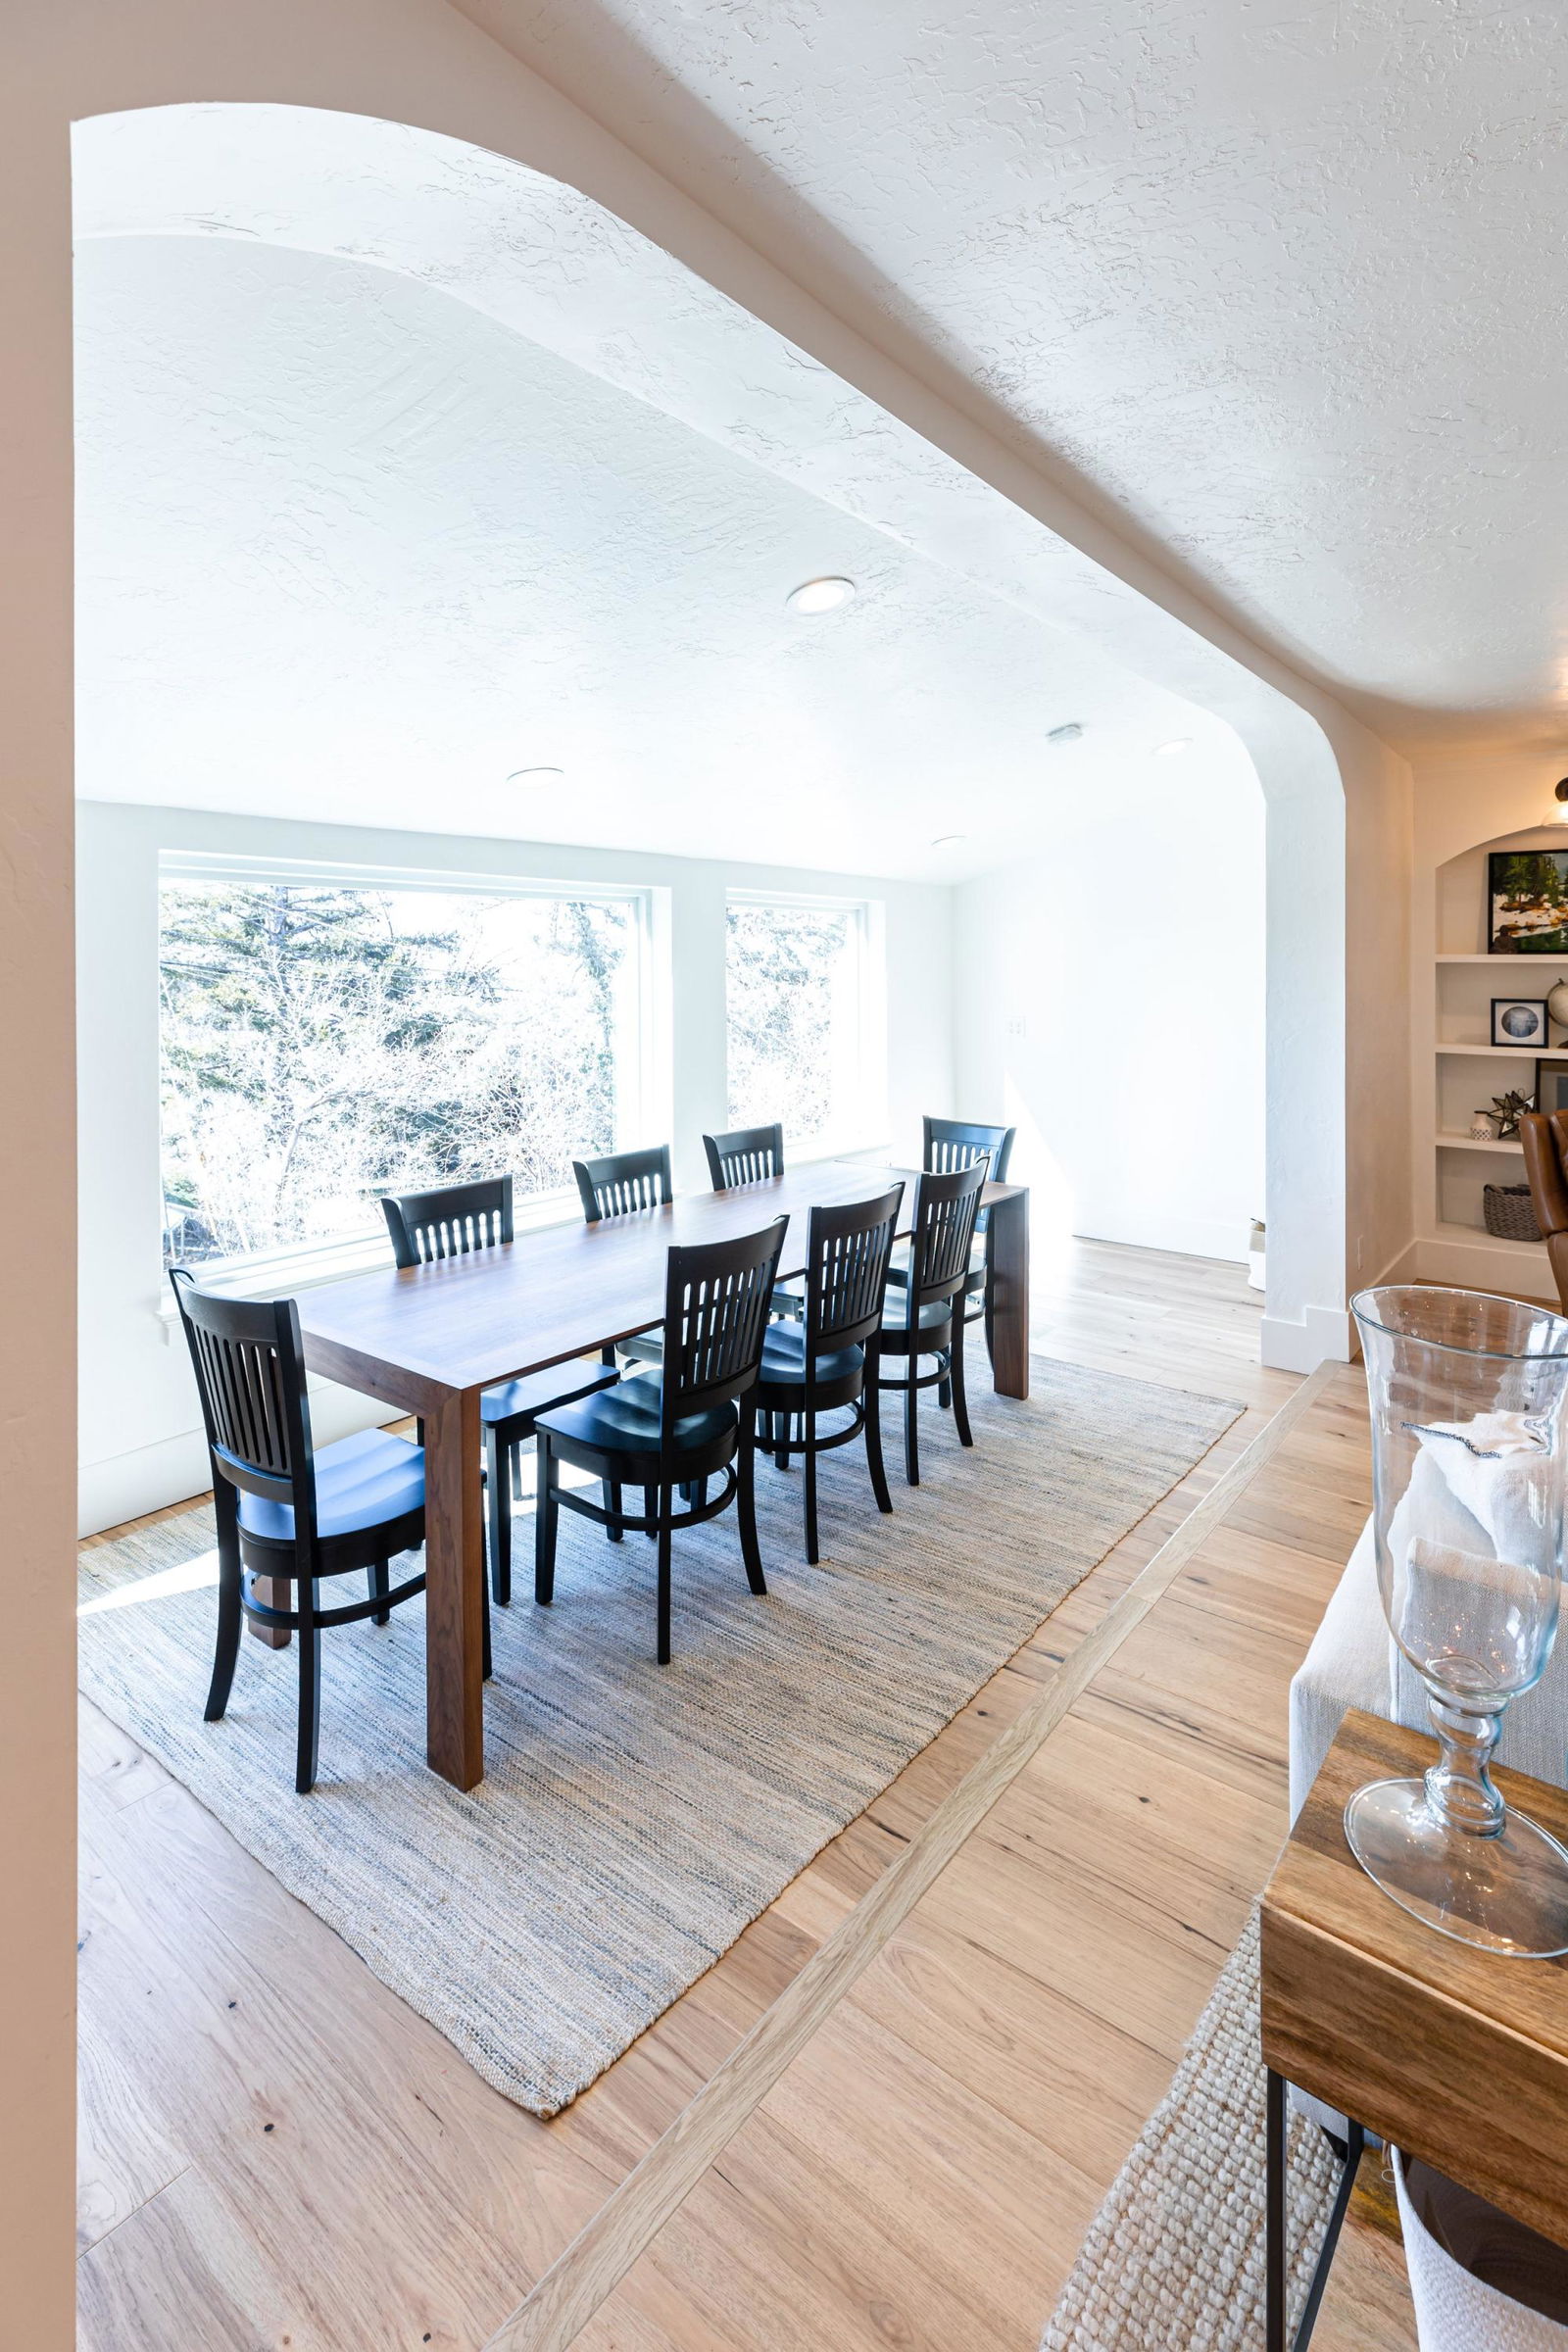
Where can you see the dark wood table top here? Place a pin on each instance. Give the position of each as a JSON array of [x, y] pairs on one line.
[[414, 1334], [1458, 2055]]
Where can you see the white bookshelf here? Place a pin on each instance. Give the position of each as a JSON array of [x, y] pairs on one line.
[[1458, 1071]]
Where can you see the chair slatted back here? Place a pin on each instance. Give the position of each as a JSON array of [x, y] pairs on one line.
[[623, 1182], [449, 1222], [848, 1251], [958, 1142], [945, 1210], [717, 1298], [249, 1377], [746, 1156]]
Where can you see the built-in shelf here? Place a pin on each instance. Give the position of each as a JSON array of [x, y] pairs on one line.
[[1477, 1237], [1503, 1052], [1503, 963], [1469, 1142]]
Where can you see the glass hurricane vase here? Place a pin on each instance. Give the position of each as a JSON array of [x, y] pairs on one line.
[[1467, 1396]]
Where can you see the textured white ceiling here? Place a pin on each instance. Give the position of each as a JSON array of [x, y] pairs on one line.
[[353, 549], [1281, 285]]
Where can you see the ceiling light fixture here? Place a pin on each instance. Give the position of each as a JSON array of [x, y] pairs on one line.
[[1177, 743], [1065, 734], [536, 775], [944, 841], [820, 595]]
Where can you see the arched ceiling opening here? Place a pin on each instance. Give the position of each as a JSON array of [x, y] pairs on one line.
[[403, 469]]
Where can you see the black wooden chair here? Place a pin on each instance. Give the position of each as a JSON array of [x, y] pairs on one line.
[[926, 1316], [752, 1156], [951, 1143], [453, 1221], [820, 1365], [621, 1185], [285, 1513], [746, 1156], [673, 1429]]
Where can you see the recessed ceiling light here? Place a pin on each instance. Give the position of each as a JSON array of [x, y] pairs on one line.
[[1177, 743], [535, 775], [944, 840], [1065, 734], [819, 596]]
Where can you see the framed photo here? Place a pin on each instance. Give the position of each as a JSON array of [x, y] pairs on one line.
[[1519, 1022], [1527, 902], [1552, 1086]]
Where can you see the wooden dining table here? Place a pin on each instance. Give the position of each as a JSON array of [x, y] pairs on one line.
[[428, 1338]]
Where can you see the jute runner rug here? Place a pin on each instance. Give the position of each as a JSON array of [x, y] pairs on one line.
[[634, 1818], [1174, 2257]]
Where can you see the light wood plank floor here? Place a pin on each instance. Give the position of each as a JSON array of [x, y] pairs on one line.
[[275, 2152]]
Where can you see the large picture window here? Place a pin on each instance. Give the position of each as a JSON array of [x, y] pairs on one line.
[[326, 1041], [802, 1010]]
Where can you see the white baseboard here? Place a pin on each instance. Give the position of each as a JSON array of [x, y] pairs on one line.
[[151, 1477], [1322, 1336], [1223, 1238]]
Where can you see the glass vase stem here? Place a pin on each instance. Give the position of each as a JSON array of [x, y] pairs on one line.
[[1459, 1785]]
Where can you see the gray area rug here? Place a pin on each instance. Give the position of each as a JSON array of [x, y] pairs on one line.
[[1174, 2257], [634, 1818]]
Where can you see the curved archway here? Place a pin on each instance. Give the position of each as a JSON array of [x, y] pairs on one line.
[[540, 256]]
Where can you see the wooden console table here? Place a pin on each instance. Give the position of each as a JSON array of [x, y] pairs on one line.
[[1456, 2056]]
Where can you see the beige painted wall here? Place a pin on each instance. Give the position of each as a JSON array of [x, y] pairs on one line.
[[416, 60]]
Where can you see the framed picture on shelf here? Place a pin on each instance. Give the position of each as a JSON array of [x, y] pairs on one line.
[[1527, 902], [1519, 1022], [1552, 1086]]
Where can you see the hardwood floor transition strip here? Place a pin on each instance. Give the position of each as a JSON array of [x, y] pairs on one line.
[[587, 2272]]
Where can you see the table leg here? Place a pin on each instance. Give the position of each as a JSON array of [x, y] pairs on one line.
[[273, 1593], [454, 1599], [1007, 1295], [1274, 2248]]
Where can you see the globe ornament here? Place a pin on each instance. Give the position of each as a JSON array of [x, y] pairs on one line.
[[1557, 1003]]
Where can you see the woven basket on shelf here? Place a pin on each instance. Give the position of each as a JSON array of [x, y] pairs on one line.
[[1509, 1213]]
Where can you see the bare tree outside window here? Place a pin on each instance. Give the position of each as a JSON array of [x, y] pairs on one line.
[[791, 989], [322, 1045]]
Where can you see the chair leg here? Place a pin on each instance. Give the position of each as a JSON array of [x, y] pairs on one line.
[[381, 1584], [871, 1406], [808, 1465], [911, 1424], [961, 1400], [612, 1494], [230, 1624], [746, 1513], [664, 1503], [498, 1495], [486, 1656], [309, 1601], [781, 1451], [546, 1510], [650, 1511]]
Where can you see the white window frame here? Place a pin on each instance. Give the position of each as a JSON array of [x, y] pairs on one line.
[[642, 1106], [865, 1085]]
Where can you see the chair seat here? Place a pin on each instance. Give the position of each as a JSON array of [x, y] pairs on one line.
[[934, 1313], [523, 1399], [784, 1359], [361, 1483], [624, 1419]]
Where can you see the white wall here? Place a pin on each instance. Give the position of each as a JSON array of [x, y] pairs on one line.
[[1109, 1002], [141, 1445]]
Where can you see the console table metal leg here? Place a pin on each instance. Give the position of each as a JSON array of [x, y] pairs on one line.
[[1274, 2248], [1276, 2254]]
